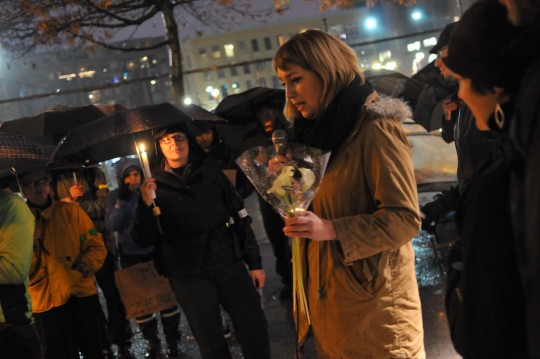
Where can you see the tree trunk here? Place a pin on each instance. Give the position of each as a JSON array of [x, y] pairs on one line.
[[175, 52]]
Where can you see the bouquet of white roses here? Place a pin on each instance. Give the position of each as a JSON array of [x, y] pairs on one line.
[[288, 187]]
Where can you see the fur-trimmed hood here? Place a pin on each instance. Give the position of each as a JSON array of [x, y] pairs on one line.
[[387, 107]]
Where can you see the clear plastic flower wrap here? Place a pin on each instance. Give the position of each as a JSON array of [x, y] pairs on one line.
[[289, 185]]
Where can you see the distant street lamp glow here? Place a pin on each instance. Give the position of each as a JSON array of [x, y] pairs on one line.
[[417, 15], [188, 101], [370, 23]]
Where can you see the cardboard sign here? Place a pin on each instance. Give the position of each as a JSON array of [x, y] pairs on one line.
[[143, 290]]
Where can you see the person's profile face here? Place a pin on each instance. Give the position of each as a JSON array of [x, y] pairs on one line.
[[303, 89], [482, 105], [175, 148], [443, 52], [205, 140], [133, 179]]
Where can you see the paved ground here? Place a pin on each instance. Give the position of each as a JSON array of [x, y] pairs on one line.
[[278, 313]]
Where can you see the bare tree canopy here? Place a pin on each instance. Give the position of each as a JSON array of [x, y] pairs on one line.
[[27, 25]]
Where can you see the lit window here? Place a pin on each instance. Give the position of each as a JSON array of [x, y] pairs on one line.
[[414, 46], [229, 50], [432, 41]]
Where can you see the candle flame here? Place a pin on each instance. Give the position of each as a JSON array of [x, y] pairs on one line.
[[141, 146]]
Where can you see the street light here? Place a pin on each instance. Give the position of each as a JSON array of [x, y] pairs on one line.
[[417, 15], [370, 23], [215, 94]]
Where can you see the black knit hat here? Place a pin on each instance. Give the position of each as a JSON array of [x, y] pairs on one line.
[[177, 127], [477, 42], [444, 38]]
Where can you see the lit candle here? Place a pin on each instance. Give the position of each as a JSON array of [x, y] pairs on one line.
[[144, 161], [75, 179], [143, 157]]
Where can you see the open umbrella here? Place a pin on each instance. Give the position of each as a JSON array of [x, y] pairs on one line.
[[114, 136], [50, 126], [19, 154], [420, 96], [239, 109], [231, 134], [442, 88]]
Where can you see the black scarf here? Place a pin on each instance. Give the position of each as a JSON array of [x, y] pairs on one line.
[[336, 121]]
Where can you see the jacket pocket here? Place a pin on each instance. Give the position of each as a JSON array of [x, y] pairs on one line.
[[365, 273]]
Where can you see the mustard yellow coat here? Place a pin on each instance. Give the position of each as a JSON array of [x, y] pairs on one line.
[[361, 288], [64, 235]]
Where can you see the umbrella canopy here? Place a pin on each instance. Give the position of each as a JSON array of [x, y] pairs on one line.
[[231, 134], [442, 88], [19, 153], [420, 96], [50, 126], [240, 109], [114, 136]]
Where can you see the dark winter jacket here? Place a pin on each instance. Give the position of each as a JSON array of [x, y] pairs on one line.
[[490, 322], [196, 210], [525, 134], [472, 148]]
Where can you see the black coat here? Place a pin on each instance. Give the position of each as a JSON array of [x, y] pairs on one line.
[[490, 322], [525, 133], [196, 208]]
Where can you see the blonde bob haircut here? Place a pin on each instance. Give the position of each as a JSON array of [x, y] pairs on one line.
[[330, 58]]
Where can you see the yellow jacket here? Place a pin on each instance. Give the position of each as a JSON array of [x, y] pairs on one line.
[[64, 236]]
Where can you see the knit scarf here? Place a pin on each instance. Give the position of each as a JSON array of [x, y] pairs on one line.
[[336, 121]]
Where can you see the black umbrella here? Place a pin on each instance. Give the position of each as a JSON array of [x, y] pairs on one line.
[[231, 134], [19, 154], [240, 109], [442, 88], [50, 126], [420, 96], [114, 136]]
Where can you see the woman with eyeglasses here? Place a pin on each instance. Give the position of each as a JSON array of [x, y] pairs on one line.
[[205, 240]]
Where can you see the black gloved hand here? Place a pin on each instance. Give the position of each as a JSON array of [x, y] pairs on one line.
[[428, 224]]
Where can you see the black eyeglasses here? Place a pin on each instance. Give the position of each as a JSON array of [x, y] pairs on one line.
[[176, 138], [36, 183]]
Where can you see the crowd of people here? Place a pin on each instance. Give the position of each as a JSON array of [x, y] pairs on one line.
[[356, 251]]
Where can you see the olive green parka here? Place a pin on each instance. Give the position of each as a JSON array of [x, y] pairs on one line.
[[361, 288]]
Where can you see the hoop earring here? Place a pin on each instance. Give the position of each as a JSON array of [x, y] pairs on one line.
[[499, 116]]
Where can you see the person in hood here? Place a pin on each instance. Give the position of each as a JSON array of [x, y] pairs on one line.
[[119, 214], [68, 251], [207, 241], [360, 278]]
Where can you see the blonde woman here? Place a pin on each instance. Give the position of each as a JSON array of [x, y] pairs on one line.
[[361, 284]]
